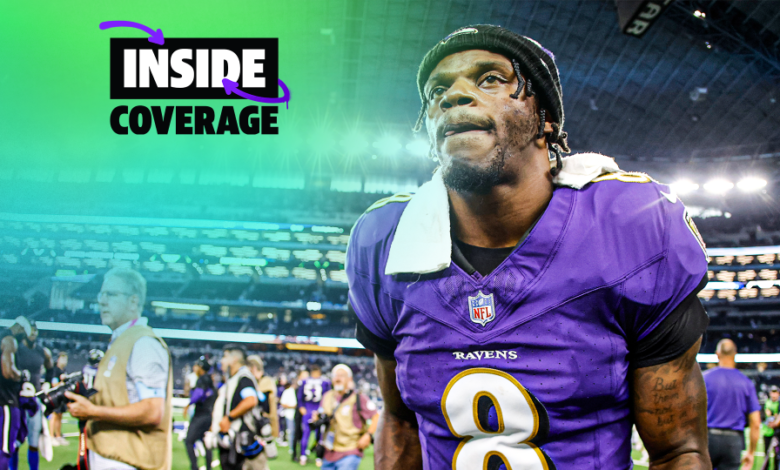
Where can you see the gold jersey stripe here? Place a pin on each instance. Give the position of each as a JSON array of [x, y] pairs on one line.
[[400, 197], [625, 177]]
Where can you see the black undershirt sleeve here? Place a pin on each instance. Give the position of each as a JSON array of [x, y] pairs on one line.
[[381, 347], [674, 335]]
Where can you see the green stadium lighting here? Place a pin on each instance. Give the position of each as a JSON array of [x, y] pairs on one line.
[[387, 145], [418, 147], [354, 143]]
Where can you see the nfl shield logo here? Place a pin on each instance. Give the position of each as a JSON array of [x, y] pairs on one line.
[[482, 309]]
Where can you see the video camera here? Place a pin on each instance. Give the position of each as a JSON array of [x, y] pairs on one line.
[[54, 397], [322, 420]]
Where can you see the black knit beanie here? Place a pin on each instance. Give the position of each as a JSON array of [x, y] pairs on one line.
[[537, 65]]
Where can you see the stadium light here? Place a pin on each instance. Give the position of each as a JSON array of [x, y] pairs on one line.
[[181, 306], [196, 335], [718, 186], [751, 184], [387, 145], [418, 147], [311, 347], [354, 143], [683, 187]]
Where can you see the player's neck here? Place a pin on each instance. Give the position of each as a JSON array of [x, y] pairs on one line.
[[727, 364], [500, 218]]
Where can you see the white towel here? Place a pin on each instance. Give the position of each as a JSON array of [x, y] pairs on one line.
[[422, 242]]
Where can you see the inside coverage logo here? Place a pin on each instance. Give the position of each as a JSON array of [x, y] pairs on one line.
[[157, 68]]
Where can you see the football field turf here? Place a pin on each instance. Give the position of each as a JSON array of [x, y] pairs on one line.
[[67, 454]]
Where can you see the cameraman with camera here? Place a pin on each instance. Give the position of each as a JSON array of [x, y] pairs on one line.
[[351, 419], [240, 445], [11, 381], [129, 418], [266, 389]]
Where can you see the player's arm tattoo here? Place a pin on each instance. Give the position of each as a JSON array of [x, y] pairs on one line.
[[397, 443], [669, 403]]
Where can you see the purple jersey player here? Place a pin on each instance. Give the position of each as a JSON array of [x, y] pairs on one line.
[[310, 393], [89, 371], [524, 317], [11, 380]]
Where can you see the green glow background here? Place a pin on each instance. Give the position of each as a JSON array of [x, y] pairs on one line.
[[54, 71]]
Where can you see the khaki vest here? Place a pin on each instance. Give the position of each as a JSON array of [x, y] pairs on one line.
[[347, 435], [268, 386], [143, 448]]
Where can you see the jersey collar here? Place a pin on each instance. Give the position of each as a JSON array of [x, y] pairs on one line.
[[422, 242]]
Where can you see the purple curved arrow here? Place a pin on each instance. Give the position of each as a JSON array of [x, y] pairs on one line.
[[155, 37], [232, 87]]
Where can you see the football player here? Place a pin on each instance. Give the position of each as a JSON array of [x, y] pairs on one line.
[[310, 394], [525, 311], [89, 371]]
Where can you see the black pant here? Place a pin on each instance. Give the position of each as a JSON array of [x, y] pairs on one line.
[[198, 427], [767, 448], [726, 449], [298, 436], [225, 463]]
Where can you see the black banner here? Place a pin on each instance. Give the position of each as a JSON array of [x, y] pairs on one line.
[[183, 67]]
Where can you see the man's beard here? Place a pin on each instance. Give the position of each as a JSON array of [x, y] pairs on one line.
[[20, 337], [464, 177]]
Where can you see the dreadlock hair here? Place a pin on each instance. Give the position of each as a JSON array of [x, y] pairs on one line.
[[520, 83], [540, 134], [420, 117]]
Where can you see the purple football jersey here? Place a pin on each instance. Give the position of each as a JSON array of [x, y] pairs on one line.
[[88, 374], [528, 366], [311, 391]]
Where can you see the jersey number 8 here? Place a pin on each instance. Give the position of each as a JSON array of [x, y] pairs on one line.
[[499, 421]]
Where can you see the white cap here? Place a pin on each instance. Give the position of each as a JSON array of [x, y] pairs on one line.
[[24, 323], [343, 367]]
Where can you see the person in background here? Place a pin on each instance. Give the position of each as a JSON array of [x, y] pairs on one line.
[[353, 422], [309, 395], [11, 381], [55, 420], [35, 358], [281, 386], [190, 379], [267, 386], [202, 395], [732, 405], [129, 420], [289, 402], [298, 419], [89, 371], [771, 408], [239, 423]]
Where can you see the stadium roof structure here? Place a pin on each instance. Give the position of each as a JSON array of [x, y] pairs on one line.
[[696, 87]]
